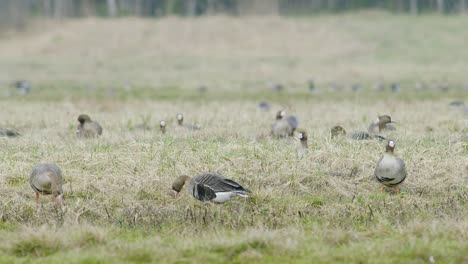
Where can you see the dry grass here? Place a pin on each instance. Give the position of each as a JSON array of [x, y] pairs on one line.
[[325, 207]]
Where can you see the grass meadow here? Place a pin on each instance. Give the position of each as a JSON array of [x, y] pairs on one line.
[[325, 207]]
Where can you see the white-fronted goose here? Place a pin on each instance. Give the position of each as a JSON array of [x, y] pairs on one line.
[[88, 128], [5, 132], [209, 187], [180, 123], [337, 131], [22, 87], [284, 125], [390, 170], [263, 105], [381, 123], [303, 148], [46, 179], [162, 126]]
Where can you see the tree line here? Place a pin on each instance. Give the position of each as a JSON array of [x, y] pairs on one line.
[[16, 12]]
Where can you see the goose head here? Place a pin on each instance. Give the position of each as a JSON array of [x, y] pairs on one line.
[[383, 120], [84, 118], [179, 183], [390, 146], [180, 119], [337, 131], [162, 126], [280, 114]]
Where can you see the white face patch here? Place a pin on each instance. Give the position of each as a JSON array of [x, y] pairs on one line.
[[162, 123], [300, 136], [282, 114], [179, 117], [377, 120], [391, 144]]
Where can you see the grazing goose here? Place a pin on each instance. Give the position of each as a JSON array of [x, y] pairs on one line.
[[390, 170], [180, 122], [277, 87], [5, 132], [45, 179], [284, 125], [395, 87], [263, 105], [88, 128], [381, 123], [457, 103], [162, 126], [337, 131], [209, 187], [22, 87], [312, 86]]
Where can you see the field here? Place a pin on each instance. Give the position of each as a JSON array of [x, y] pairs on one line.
[[323, 208]]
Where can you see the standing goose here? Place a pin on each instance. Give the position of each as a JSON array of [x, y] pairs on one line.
[[390, 170], [381, 123], [162, 126], [303, 148], [284, 125], [337, 131], [180, 122], [88, 128], [46, 179], [5, 132], [209, 187]]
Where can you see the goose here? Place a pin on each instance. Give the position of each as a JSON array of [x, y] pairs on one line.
[[180, 122], [390, 170], [395, 87], [337, 131], [22, 86], [46, 179], [381, 123], [284, 125], [263, 105], [210, 187], [162, 126], [303, 148], [5, 132], [88, 128]]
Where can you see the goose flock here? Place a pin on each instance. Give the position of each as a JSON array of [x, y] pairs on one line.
[[390, 171]]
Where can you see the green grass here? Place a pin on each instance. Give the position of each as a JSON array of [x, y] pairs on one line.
[[323, 208]]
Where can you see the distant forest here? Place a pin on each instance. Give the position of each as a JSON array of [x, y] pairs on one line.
[[15, 13]]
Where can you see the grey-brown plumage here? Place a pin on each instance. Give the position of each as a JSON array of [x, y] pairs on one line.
[[46, 179], [180, 123], [210, 187], [382, 123], [337, 131], [284, 125], [390, 170], [22, 86], [87, 127], [5, 132]]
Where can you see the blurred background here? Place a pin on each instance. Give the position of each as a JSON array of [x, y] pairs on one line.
[[16, 12], [67, 47]]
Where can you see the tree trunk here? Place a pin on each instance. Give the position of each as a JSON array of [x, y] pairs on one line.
[[440, 6], [414, 7], [191, 8], [59, 9], [47, 8], [111, 8], [463, 6], [262, 7]]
